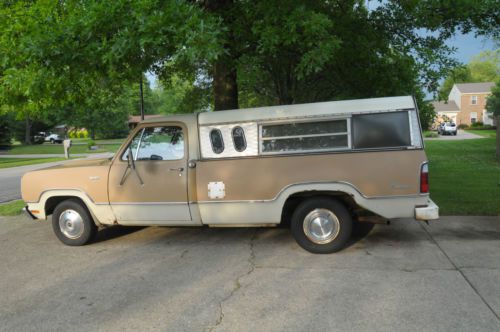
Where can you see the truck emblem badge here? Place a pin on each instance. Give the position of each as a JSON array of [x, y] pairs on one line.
[[216, 190], [94, 178]]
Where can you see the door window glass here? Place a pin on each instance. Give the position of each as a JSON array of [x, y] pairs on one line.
[[157, 143]]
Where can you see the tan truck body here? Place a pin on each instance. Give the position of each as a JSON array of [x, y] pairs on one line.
[[251, 187]]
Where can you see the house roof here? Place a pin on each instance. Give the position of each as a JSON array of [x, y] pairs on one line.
[[475, 87], [449, 106]]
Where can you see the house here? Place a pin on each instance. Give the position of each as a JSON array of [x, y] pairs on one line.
[[466, 104]]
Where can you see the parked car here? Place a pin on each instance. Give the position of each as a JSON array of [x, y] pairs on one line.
[[447, 128], [38, 138], [54, 138], [315, 166]]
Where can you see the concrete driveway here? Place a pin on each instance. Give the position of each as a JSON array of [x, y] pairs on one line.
[[461, 134], [406, 276]]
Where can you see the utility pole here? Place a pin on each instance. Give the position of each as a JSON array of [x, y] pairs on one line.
[[142, 98]]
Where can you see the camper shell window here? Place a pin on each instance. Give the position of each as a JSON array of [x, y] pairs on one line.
[[239, 141], [381, 130], [217, 141], [305, 136]]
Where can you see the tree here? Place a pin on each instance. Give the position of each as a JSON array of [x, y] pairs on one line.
[[493, 106], [246, 52], [484, 67], [76, 56]]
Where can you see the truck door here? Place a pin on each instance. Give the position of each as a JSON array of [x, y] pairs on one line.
[[151, 188]]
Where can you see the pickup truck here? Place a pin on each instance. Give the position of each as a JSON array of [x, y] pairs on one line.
[[314, 167]]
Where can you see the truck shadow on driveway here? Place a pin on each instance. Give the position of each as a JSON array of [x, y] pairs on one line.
[[109, 233]]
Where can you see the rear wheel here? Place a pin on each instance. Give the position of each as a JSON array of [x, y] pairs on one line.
[[321, 225], [72, 223]]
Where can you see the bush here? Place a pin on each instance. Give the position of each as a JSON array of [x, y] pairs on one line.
[[73, 134], [430, 134], [483, 127], [476, 124], [90, 144], [463, 126]]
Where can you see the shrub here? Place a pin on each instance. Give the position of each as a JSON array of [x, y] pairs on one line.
[[476, 124], [483, 127], [463, 126], [90, 144], [430, 134], [72, 134]]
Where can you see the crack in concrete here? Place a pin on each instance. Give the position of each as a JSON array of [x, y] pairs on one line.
[[237, 284]]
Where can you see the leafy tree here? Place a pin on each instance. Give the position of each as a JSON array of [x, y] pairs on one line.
[[493, 106], [484, 67], [76, 56]]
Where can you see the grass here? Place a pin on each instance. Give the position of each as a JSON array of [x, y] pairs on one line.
[[484, 133], [58, 149], [13, 208], [464, 176], [13, 162]]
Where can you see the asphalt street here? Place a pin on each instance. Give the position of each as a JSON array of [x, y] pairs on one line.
[[406, 276]]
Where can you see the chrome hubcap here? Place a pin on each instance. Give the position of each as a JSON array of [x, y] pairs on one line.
[[71, 224], [321, 226]]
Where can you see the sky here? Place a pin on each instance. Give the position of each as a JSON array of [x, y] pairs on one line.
[[468, 46]]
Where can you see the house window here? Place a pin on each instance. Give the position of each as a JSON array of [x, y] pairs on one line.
[[217, 141], [239, 141], [473, 100], [473, 117], [305, 136]]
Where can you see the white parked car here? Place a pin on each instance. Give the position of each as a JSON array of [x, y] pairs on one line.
[[447, 128], [54, 138]]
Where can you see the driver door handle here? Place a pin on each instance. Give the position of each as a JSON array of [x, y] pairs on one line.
[[180, 169]]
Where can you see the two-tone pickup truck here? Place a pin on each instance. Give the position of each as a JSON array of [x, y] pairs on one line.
[[314, 166]]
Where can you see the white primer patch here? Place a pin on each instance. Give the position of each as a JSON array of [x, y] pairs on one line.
[[216, 190]]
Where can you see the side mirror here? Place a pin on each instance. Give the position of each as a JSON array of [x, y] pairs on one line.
[[130, 159]]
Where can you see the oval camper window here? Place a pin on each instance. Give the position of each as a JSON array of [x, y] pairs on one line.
[[239, 141], [217, 141]]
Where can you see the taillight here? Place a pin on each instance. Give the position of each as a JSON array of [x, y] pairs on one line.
[[424, 179]]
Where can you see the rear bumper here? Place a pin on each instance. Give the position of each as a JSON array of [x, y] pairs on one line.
[[28, 212], [429, 212]]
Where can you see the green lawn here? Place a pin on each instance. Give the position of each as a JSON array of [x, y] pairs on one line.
[[58, 148], [11, 208], [13, 162], [484, 133], [464, 176]]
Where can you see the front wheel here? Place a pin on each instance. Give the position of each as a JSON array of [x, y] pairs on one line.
[[321, 225], [72, 223]]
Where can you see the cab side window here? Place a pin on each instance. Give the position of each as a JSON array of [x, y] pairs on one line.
[[157, 143]]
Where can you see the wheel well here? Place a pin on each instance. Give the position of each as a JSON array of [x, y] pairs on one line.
[[53, 201], [294, 200]]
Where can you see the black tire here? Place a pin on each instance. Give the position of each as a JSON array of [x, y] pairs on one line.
[[322, 203], [52, 141], [87, 223]]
